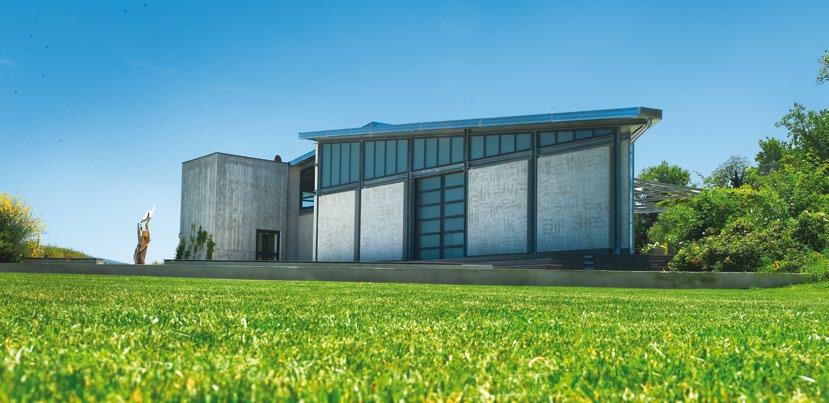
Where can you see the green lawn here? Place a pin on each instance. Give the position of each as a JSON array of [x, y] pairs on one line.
[[96, 337]]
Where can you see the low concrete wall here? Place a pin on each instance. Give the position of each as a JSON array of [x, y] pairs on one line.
[[425, 273]]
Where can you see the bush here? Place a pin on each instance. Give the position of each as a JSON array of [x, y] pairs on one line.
[[18, 228], [812, 230]]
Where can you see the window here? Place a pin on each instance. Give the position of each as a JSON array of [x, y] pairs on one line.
[[432, 152], [267, 245], [339, 163], [439, 217], [490, 145], [566, 136], [386, 158], [306, 188]]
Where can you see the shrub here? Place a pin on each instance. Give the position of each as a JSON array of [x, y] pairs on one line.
[[18, 228], [812, 229]]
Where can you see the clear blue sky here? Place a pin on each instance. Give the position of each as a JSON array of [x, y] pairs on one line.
[[101, 102]]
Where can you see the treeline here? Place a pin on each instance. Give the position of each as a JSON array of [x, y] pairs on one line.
[[769, 214]]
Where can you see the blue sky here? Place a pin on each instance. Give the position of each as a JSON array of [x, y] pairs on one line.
[[100, 102]]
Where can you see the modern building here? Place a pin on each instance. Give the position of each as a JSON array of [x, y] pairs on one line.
[[558, 182]]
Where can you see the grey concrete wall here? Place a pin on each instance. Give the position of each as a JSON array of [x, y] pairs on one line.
[[335, 226], [497, 202], [198, 195], [305, 237], [251, 194], [573, 198], [382, 214], [292, 214]]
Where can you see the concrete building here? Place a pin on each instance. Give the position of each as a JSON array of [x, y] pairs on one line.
[[560, 182]]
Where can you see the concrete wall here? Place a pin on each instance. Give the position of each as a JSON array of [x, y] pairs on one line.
[[573, 198], [624, 194], [305, 238], [232, 197], [382, 217], [335, 226], [497, 202], [198, 195]]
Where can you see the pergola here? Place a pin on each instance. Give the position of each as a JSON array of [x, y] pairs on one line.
[[647, 194]]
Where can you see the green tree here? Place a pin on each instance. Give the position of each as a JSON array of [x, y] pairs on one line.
[[770, 155], [667, 173], [823, 70], [808, 131], [731, 173], [19, 228], [664, 173]]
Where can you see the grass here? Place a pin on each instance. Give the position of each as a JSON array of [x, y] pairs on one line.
[[107, 338]]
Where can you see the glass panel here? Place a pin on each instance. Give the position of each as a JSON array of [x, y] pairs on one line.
[[379, 159], [391, 157], [369, 165], [507, 143], [453, 224], [451, 253], [335, 164], [425, 227], [476, 147], [453, 194], [453, 238], [425, 213], [584, 134], [402, 156], [564, 137], [429, 241], [431, 152], [451, 209], [355, 161], [429, 183], [491, 145], [428, 254], [326, 165], [345, 163], [454, 179], [457, 149], [444, 150], [431, 197], [602, 132], [546, 139], [523, 141], [418, 151]]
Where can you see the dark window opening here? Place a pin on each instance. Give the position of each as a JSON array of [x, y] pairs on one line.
[[267, 245], [306, 188]]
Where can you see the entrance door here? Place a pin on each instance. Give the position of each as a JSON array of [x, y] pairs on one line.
[[439, 217], [267, 245]]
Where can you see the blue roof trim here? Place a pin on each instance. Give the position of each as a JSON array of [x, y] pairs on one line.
[[302, 158], [562, 117]]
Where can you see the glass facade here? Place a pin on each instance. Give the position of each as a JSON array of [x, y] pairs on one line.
[[490, 145], [339, 164], [439, 217], [566, 136], [385, 158], [433, 152]]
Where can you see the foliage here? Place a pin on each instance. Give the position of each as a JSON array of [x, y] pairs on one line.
[[36, 250], [199, 244], [664, 173], [808, 131], [770, 155], [166, 339], [823, 71], [667, 173], [18, 228], [731, 173]]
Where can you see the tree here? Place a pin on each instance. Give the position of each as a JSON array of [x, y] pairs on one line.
[[770, 155], [666, 173], [731, 173], [18, 228], [808, 131], [823, 70]]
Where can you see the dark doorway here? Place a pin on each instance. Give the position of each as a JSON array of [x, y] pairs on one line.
[[267, 245], [440, 217]]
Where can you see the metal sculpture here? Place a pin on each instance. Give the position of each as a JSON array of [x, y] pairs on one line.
[[143, 237]]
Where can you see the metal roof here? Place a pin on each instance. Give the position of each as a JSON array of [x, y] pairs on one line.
[[302, 158], [377, 128]]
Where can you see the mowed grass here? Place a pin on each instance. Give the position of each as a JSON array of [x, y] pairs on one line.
[[106, 338]]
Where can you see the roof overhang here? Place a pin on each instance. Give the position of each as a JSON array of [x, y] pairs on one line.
[[646, 117]]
